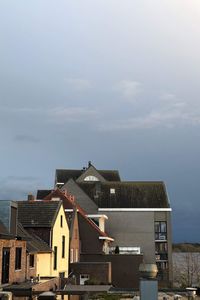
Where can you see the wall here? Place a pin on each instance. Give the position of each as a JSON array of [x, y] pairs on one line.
[[14, 275], [58, 232], [44, 262], [124, 268], [75, 240], [99, 272], [133, 229], [166, 216], [31, 271], [89, 237]]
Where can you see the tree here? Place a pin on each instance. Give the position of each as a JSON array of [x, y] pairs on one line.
[[186, 267]]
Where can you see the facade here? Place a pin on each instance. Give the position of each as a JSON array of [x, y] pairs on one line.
[[45, 221], [12, 246], [139, 213]]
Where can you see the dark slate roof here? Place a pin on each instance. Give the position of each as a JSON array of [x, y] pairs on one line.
[[41, 194], [34, 243], [38, 213], [63, 175], [128, 194]]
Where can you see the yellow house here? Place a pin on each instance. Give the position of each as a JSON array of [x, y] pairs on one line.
[[47, 221]]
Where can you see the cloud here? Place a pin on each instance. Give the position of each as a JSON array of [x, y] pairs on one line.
[[54, 114], [78, 84], [26, 138], [129, 89], [169, 112], [71, 114], [16, 187]]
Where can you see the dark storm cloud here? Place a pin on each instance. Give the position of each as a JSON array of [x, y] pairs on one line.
[[115, 82], [26, 139], [16, 187]]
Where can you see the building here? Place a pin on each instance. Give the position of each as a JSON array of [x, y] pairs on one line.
[[86, 238], [12, 246], [139, 213], [45, 221]]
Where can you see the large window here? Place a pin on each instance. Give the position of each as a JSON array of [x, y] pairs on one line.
[[18, 258], [63, 246], [55, 258], [160, 230]]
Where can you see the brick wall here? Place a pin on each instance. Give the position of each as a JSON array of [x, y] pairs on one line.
[[14, 275], [31, 271]]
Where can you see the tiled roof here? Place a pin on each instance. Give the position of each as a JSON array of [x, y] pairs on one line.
[[38, 213], [127, 194], [34, 243], [63, 175]]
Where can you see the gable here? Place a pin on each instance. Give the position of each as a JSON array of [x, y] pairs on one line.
[[91, 174]]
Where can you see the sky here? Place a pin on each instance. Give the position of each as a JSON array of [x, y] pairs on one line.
[[115, 82]]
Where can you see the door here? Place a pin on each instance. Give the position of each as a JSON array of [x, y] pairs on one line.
[[5, 265]]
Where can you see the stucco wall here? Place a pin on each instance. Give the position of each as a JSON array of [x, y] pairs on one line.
[[133, 229], [44, 264], [58, 232]]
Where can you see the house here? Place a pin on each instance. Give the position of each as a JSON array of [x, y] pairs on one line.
[[46, 221], [37, 253], [86, 237], [12, 246], [139, 213]]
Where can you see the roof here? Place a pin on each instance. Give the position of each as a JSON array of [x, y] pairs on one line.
[[34, 243], [41, 194], [63, 175], [69, 201], [38, 213], [131, 194]]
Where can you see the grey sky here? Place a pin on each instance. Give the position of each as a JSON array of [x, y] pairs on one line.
[[115, 82]]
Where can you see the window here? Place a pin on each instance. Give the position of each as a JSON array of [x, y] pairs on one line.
[[63, 246], [161, 247], [76, 255], [112, 191], [61, 221], [160, 230], [71, 255], [31, 260], [55, 258], [91, 178], [18, 258]]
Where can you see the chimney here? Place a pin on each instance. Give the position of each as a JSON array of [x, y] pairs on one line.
[[30, 197]]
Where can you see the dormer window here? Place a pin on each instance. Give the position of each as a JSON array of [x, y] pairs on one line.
[[91, 178], [112, 191]]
